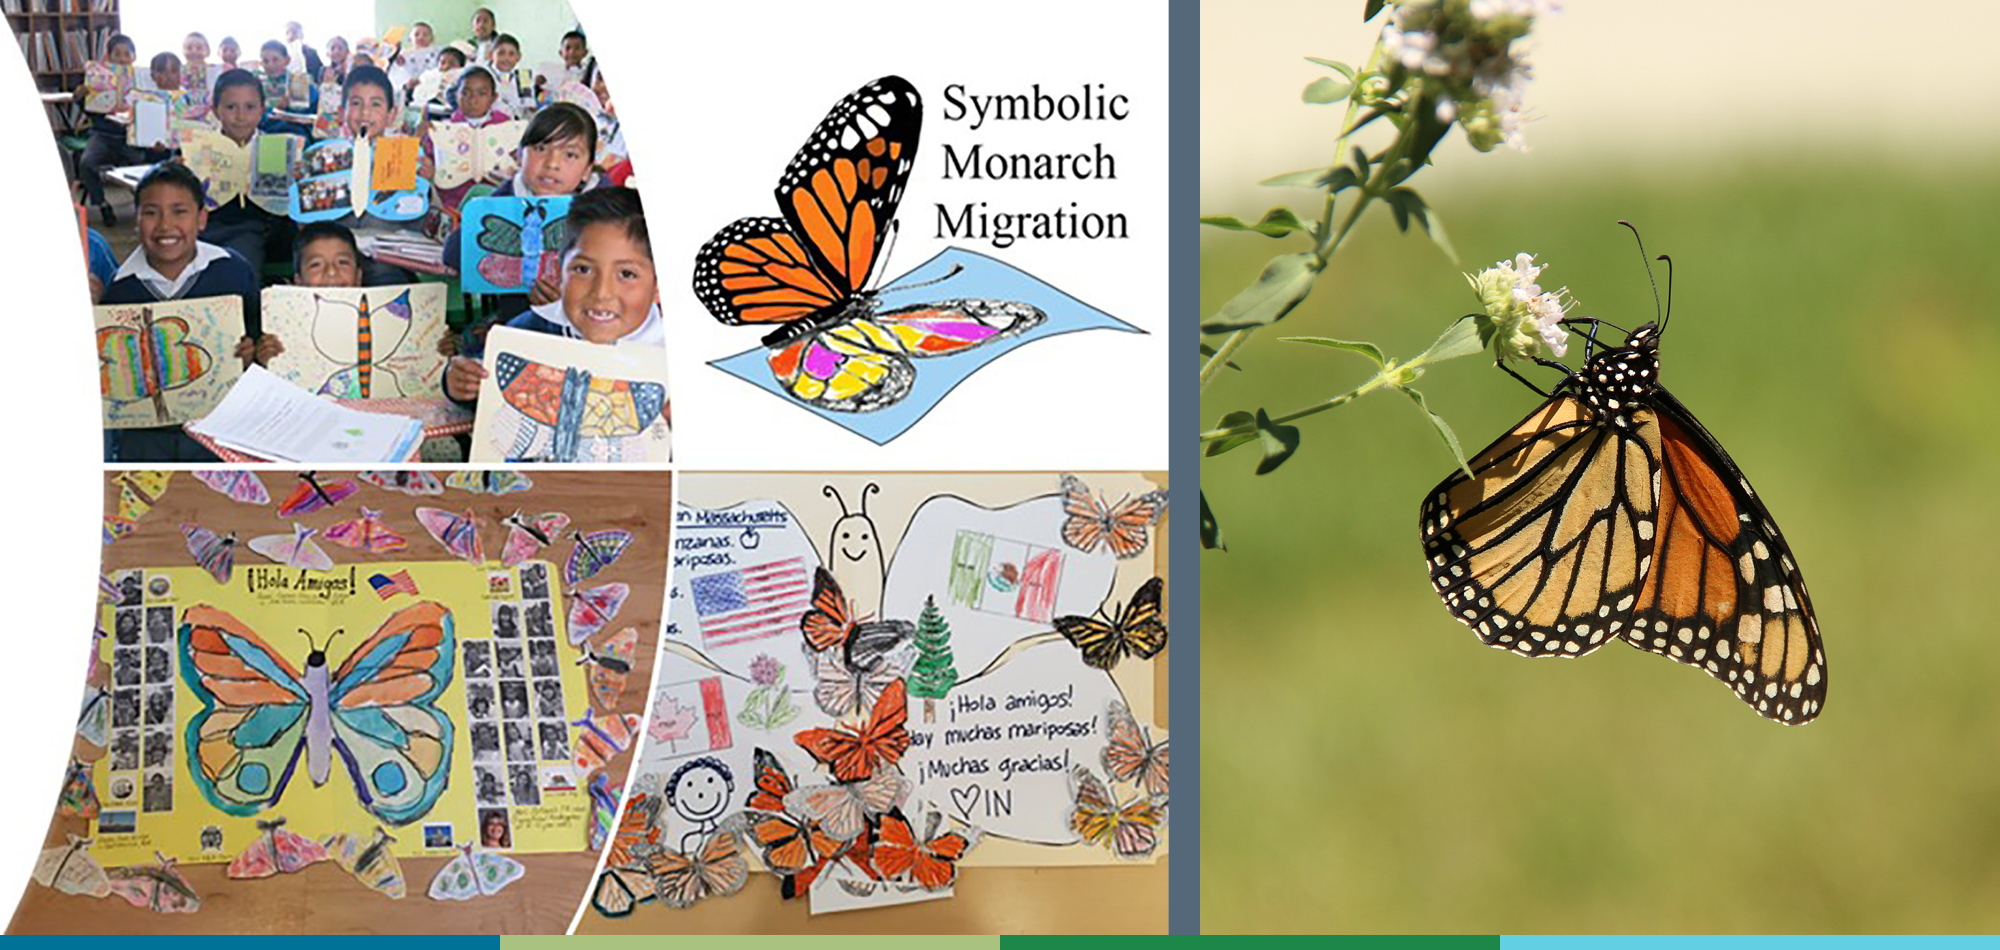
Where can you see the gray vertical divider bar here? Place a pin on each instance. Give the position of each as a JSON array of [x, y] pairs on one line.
[[1184, 454]]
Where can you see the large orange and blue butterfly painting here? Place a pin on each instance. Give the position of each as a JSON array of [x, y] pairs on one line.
[[508, 242], [168, 362], [838, 344], [359, 343], [566, 411], [263, 718]]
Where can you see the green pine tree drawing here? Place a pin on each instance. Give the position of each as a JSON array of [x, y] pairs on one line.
[[933, 675]]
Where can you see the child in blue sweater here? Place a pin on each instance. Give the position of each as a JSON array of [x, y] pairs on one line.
[[171, 263]]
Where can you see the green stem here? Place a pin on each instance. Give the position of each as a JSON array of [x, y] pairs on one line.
[[1217, 435]]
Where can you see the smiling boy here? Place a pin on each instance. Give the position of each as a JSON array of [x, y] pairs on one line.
[[171, 263]]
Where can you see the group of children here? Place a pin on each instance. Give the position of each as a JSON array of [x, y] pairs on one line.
[[192, 245]]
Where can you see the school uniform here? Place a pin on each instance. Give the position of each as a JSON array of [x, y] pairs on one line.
[[214, 272], [253, 232]]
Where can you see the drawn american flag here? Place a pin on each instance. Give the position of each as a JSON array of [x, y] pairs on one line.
[[389, 585], [763, 600]]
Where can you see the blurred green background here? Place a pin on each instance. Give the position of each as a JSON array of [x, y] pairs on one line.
[[1368, 766]]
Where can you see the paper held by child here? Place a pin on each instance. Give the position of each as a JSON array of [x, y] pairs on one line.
[[165, 362], [548, 398], [266, 416]]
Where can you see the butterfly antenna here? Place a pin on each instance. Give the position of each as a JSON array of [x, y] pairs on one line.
[[1670, 292], [1649, 272]]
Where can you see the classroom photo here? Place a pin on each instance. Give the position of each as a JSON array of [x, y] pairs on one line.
[[362, 236]]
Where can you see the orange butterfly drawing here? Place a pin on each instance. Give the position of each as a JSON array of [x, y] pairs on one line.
[[808, 272], [853, 754]]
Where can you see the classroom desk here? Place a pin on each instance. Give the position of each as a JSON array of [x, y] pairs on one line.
[[57, 97], [128, 176], [323, 898]]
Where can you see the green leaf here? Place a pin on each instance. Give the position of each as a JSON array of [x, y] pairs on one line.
[[1360, 163], [1335, 65], [1443, 430], [1369, 350], [1374, 7], [1231, 421], [1339, 179], [1408, 205], [1207, 350], [1323, 90], [1211, 530], [1304, 178], [1279, 443], [1286, 280], [1277, 222], [1459, 339]]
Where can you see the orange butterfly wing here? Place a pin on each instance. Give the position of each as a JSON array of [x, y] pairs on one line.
[[223, 672], [415, 635], [933, 863], [882, 740], [830, 621], [756, 271]]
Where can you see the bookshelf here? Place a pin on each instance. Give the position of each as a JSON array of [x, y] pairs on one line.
[[56, 38]]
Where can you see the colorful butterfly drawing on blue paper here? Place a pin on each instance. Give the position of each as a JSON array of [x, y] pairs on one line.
[[374, 713], [808, 272], [513, 240], [572, 414]]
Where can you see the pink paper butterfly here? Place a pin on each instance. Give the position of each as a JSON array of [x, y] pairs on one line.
[[458, 533], [594, 608], [367, 533], [527, 535], [239, 485], [278, 851]]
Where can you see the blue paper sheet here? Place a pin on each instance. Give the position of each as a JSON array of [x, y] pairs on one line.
[[981, 277]]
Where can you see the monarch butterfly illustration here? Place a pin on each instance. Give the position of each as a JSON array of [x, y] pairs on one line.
[[147, 359], [572, 413], [1611, 513], [807, 272]]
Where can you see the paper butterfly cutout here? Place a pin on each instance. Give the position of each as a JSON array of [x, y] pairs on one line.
[[94, 719], [260, 714], [792, 846], [592, 609], [149, 359], [367, 533], [370, 861], [593, 553], [137, 493], [311, 495], [517, 252], [465, 154], [842, 690], [1130, 829], [375, 339], [238, 484], [638, 829], [297, 549], [601, 741], [1131, 755], [216, 553], [528, 535], [1091, 524], [833, 623], [1137, 630], [489, 482], [475, 874], [408, 483], [79, 796], [573, 405], [930, 862], [808, 271], [717, 869], [610, 664], [277, 851], [843, 809], [603, 805], [458, 533], [854, 754], [159, 888], [71, 870]]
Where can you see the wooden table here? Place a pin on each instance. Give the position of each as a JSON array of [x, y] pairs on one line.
[[324, 898]]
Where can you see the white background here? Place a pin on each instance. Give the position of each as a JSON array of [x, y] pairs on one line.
[[716, 100]]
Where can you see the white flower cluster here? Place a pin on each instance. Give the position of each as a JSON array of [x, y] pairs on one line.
[[1525, 318], [1465, 51]]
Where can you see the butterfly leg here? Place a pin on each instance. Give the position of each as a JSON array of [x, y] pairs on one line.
[[1524, 380]]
